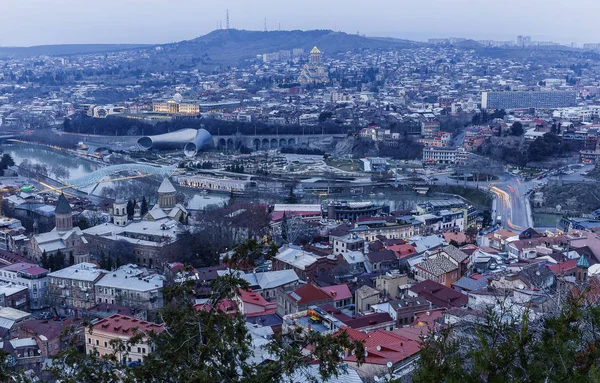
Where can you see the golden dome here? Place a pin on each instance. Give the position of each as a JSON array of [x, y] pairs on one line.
[[315, 51]]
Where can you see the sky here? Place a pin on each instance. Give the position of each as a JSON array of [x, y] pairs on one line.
[[38, 22]]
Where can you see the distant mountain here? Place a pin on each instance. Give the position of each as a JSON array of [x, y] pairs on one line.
[[232, 46], [63, 49]]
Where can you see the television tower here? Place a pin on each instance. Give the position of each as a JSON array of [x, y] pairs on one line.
[[227, 19], [265, 24]]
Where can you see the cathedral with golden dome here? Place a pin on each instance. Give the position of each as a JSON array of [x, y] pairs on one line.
[[313, 72]]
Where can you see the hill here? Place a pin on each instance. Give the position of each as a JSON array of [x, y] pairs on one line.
[[63, 49], [232, 46]]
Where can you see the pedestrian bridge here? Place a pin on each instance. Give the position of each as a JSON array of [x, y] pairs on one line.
[[119, 172]]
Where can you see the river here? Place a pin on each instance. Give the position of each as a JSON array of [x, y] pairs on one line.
[[79, 167], [76, 166]]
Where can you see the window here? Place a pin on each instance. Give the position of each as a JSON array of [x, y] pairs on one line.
[[90, 340], [143, 350], [97, 342], [105, 344]]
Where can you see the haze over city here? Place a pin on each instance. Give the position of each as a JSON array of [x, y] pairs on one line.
[[299, 191], [38, 22]]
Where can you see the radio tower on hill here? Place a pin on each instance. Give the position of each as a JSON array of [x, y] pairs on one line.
[[227, 19]]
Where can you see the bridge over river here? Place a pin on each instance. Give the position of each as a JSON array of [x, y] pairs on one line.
[[270, 141]]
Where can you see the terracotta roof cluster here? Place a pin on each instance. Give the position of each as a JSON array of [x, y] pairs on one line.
[[439, 295], [308, 294], [125, 325], [383, 346]]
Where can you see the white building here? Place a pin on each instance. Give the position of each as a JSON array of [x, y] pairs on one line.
[[31, 276], [131, 286]]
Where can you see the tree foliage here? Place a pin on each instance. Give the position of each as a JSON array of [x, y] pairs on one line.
[[503, 345], [205, 344]]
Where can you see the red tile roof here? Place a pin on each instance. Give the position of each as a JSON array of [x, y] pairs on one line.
[[383, 346], [563, 267], [403, 250], [439, 295], [308, 294], [252, 298], [49, 328], [124, 325], [338, 292]]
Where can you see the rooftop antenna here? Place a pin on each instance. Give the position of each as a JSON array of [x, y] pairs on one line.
[[227, 19]]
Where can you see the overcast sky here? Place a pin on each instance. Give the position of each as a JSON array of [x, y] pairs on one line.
[[35, 22]]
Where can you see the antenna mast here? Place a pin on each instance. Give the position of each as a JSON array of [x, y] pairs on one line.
[[227, 19]]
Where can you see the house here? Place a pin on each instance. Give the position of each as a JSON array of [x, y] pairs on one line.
[[11, 321], [120, 328], [267, 283], [365, 297], [403, 251], [25, 352], [251, 303], [49, 334], [438, 294], [445, 265], [33, 277], [15, 296], [341, 295], [300, 299], [387, 352], [305, 263], [383, 260], [391, 283], [72, 289], [130, 286]]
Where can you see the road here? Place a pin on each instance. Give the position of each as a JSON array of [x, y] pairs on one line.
[[511, 202]]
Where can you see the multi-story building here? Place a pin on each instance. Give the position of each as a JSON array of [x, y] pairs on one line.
[[430, 128], [444, 155], [14, 296], [33, 277], [49, 334], [444, 266], [346, 243], [72, 288], [11, 231], [130, 286], [370, 228], [528, 99], [352, 211], [176, 107], [305, 263], [99, 339]]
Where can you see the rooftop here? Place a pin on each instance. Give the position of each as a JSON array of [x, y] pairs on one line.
[[81, 271], [124, 325]]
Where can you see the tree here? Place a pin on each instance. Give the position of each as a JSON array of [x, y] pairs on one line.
[[60, 171], [508, 345], [202, 343], [44, 260], [517, 129], [291, 196], [130, 209], [6, 161], [144, 207]]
